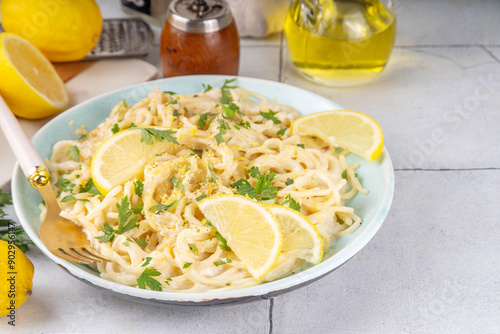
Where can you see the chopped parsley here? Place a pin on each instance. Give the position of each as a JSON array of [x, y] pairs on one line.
[[8, 227], [74, 152], [124, 103], [126, 221], [282, 131], [146, 278], [206, 87], [225, 98], [90, 187], [64, 185], [201, 197], [301, 146], [176, 183], [289, 181], [141, 242], [293, 203], [221, 262], [148, 259], [204, 120], [138, 188], [186, 265], [270, 116], [212, 173], [344, 174], [115, 128], [223, 243], [148, 135], [193, 249], [264, 190], [162, 207]]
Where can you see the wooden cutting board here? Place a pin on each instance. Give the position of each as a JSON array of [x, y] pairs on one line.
[[68, 71]]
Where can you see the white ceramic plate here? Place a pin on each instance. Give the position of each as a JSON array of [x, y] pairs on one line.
[[377, 176]]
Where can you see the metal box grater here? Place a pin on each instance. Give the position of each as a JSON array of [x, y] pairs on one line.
[[127, 37]]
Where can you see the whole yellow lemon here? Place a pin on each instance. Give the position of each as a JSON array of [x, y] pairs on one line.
[[63, 30], [16, 275]]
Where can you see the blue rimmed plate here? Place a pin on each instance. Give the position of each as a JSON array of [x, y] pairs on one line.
[[377, 176]]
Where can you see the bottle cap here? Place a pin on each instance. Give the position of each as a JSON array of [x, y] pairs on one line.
[[199, 16]]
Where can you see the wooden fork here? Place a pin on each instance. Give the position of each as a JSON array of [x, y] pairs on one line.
[[61, 236]]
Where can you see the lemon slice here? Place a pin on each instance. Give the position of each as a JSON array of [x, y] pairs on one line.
[[31, 86], [122, 157], [300, 237], [251, 231], [353, 130]]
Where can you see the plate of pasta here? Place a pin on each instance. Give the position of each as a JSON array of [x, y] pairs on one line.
[[139, 169]]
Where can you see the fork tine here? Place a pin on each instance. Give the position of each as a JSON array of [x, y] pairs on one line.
[[93, 254], [88, 258], [70, 257]]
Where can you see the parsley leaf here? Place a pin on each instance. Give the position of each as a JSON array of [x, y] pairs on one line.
[[141, 242], [115, 128], [193, 249], [344, 174], [270, 116], [264, 187], [176, 183], [109, 233], [243, 187], [221, 262], [293, 203], [138, 188], [124, 103], [186, 265], [282, 131], [301, 146], [228, 112], [162, 207], [289, 181], [253, 171], [149, 134], [148, 259], [65, 185], [199, 198], [212, 173], [225, 98], [223, 243], [203, 121], [146, 278], [74, 152], [206, 87], [126, 221], [90, 187]]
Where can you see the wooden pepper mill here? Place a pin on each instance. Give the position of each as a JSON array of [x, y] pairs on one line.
[[199, 37]]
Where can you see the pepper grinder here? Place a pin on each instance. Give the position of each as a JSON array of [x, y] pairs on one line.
[[199, 37]]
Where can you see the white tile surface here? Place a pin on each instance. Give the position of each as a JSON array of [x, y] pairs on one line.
[[432, 268]]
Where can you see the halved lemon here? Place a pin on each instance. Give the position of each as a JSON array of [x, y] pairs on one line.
[[353, 130], [250, 229], [122, 157], [301, 238], [30, 85]]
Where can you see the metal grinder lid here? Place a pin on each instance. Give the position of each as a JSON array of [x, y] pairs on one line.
[[199, 16]]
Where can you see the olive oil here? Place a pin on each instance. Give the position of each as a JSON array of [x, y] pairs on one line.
[[340, 43]]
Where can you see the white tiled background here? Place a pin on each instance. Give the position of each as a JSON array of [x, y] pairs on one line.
[[434, 267]]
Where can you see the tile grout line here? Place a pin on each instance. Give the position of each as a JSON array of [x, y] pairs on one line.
[[271, 306], [491, 54], [280, 73], [446, 169], [445, 46]]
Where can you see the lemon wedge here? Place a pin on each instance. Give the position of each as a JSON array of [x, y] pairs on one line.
[[31, 86], [301, 238], [353, 130], [250, 229], [122, 157]]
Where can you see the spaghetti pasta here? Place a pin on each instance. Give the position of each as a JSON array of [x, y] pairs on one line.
[[222, 134]]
